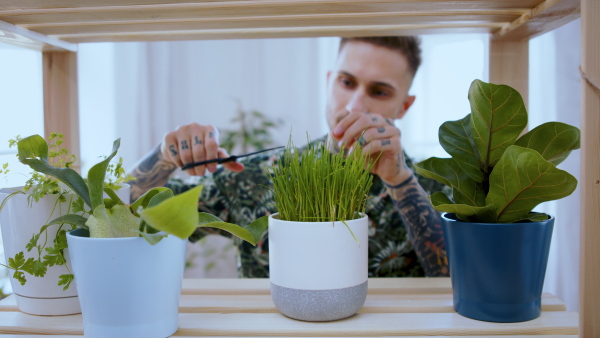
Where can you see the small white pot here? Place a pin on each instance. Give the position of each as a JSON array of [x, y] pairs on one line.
[[127, 287], [40, 295], [318, 271], [20, 221]]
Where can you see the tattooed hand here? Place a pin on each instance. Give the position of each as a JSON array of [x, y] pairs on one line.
[[194, 143], [381, 138]]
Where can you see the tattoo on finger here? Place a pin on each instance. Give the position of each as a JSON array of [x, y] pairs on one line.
[[361, 140], [381, 130], [211, 134], [184, 145], [386, 142], [172, 150], [390, 122], [197, 140], [374, 119]]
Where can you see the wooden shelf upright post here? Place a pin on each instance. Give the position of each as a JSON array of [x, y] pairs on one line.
[[61, 104], [509, 65], [589, 276]]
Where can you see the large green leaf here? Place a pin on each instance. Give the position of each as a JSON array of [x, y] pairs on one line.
[[455, 138], [523, 179], [553, 140], [33, 146], [115, 222], [33, 151], [498, 117], [144, 200], [251, 234], [485, 214], [177, 215], [448, 172], [76, 220], [96, 176]]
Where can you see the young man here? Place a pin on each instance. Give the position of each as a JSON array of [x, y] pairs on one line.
[[367, 91]]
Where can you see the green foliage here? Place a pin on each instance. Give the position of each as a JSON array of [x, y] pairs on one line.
[[253, 132], [157, 210], [320, 186], [495, 175]]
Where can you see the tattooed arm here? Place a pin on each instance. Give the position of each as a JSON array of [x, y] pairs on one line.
[[188, 143], [152, 171], [423, 224]]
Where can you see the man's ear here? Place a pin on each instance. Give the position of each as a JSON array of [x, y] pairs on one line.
[[408, 102]]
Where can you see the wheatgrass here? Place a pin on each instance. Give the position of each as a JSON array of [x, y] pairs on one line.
[[317, 185]]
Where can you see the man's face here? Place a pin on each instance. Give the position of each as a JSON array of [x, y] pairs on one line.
[[368, 79]]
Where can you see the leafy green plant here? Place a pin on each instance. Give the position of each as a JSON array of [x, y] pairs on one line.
[[253, 132], [154, 215], [38, 186], [496, 175], [316, 185]]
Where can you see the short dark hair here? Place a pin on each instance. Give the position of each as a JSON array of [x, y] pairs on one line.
[[409, 46]]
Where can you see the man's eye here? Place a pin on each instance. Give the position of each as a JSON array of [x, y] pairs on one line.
[[380, 93], [346, 82]]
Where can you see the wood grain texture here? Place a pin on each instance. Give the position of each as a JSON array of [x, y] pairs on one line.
[[25, 38], [375, 303], [61, 105], [208, 307], [275, 324], [590, 171], [545, 17], [509, 65], [153, 20]]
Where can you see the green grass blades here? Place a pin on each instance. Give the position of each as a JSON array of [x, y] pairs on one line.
[[319, 186]]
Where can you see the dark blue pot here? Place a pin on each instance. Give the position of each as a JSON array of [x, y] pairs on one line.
[[497, 270]]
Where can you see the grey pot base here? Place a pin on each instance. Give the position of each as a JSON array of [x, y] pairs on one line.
[[319, 305]]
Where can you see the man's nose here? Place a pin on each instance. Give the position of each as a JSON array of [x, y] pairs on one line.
[[357, 103]]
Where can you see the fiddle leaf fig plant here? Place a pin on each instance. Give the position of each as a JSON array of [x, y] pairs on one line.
[[153, 216], [496, 174]]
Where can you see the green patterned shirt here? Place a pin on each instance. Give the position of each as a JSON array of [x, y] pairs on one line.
[[242, 197]]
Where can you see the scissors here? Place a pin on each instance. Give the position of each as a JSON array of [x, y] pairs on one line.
[[226, 159]]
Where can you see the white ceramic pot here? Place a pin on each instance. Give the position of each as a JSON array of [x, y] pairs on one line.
[[127, 287], [318, 271], [20, 221]]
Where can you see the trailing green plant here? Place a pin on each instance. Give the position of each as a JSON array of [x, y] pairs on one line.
[[497, 175], [153, 216], [39, 185], [316, 185]]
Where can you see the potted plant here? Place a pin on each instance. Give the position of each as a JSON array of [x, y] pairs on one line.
[[128, 260], [497, 246], [35, 247], [318, 240]]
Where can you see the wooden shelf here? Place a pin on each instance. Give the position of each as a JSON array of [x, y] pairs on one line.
[[73, 21], [57, 26]]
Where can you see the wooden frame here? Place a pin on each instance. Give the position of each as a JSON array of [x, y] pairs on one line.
[[56, 26]]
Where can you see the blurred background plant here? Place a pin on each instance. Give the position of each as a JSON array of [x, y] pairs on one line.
[[253, 132], [215, 256]]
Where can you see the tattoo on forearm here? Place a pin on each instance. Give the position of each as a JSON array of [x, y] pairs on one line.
[[184, 145], [152, 171], [424, 227], [172, 150], [400, 163]]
